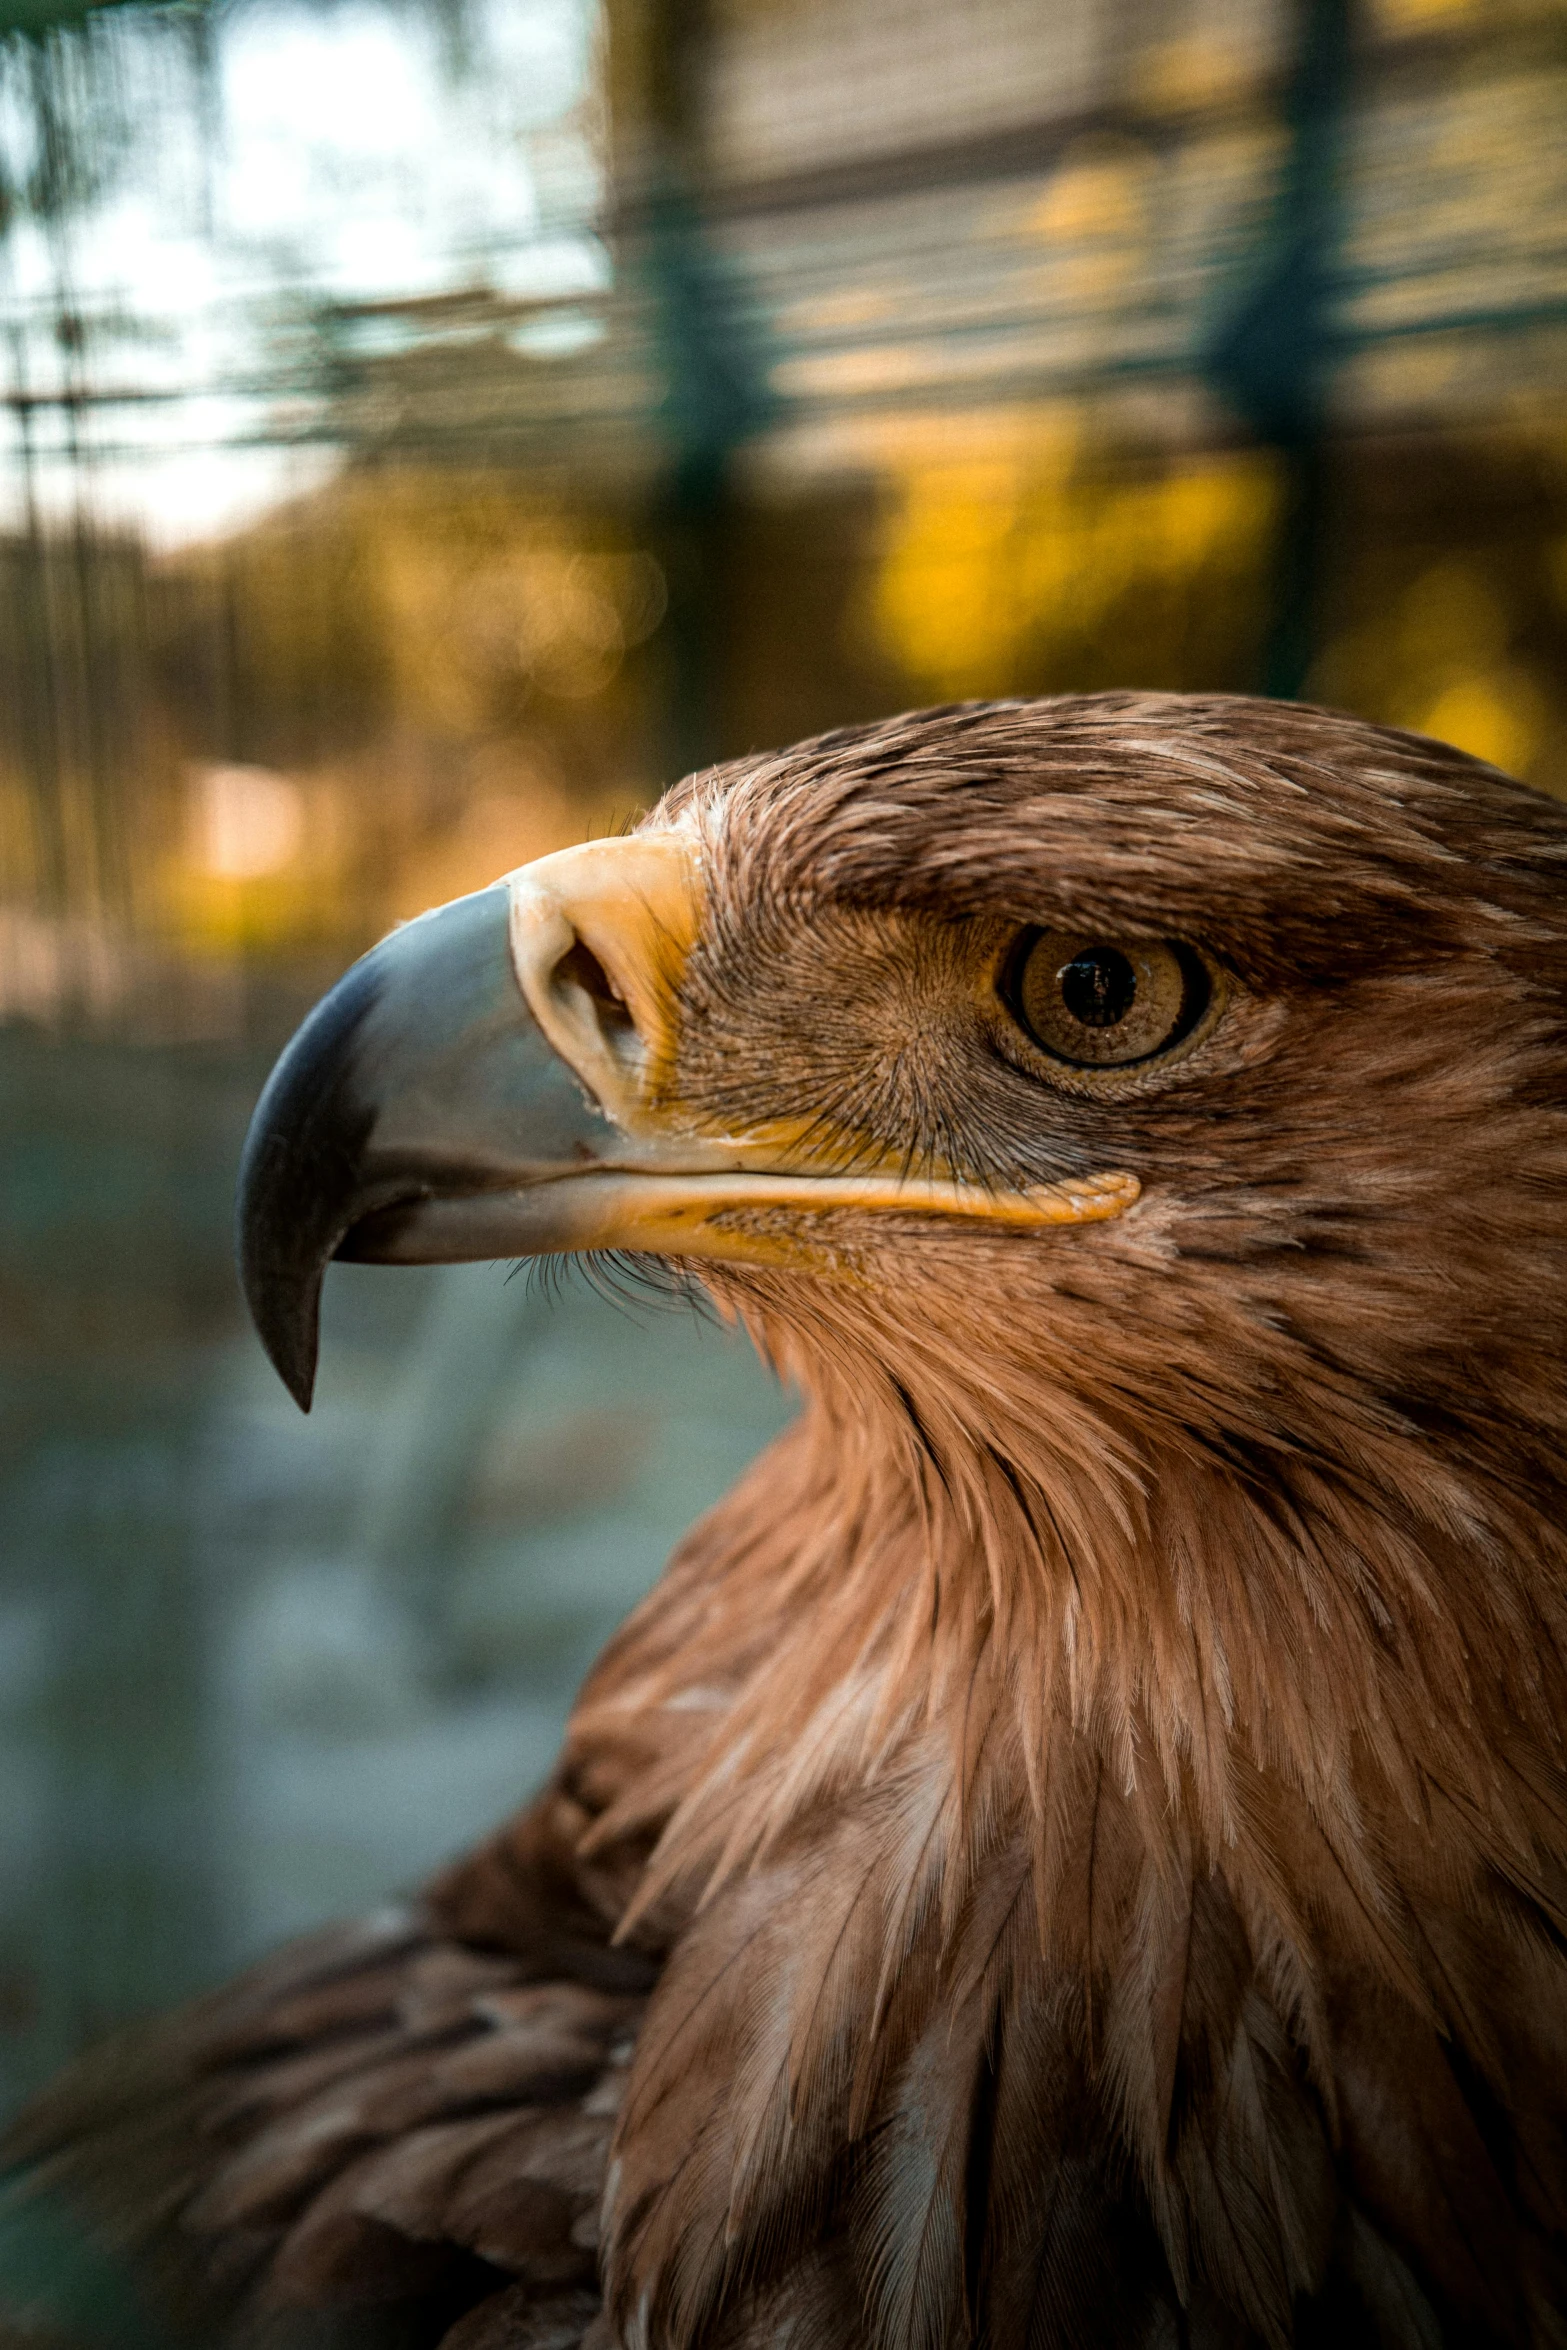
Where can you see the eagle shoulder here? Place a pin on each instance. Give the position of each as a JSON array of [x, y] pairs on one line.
[[389, 2130]]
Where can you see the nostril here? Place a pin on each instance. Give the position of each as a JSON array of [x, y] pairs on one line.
[[580, 967]]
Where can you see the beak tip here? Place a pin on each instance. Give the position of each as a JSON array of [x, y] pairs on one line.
[[297, 1371], [307, 1129], [287, 1316]]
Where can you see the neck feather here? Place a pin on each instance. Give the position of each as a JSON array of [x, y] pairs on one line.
[[997, 1615]]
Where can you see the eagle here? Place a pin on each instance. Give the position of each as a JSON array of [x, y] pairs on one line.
[[1074, 1849]]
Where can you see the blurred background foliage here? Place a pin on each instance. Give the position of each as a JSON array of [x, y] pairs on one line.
[[427, 427]]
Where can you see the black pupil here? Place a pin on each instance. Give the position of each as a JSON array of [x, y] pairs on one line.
[[1098, 987]]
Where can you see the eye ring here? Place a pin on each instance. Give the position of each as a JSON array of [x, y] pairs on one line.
[[1096, 1004]]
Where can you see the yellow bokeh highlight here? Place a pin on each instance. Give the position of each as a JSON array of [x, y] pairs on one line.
[[1100, 190], [485, 627], [1452, 613], [1499, 717], [1438, 658], [214, 910], [483, 589], [1423, 16], [996, 558], [1192, 72]]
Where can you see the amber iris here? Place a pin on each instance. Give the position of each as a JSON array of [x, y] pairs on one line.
[[1097, 1003]]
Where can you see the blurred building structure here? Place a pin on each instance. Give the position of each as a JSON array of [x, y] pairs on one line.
[[428, 426], [468, 470]]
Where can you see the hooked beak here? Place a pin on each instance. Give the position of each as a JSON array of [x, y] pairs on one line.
[[495, 1079]]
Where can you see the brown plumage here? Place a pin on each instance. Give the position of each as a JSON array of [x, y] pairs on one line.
[[1074, 1850]]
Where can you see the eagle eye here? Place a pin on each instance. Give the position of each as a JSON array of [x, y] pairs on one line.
[[1101, 1003]]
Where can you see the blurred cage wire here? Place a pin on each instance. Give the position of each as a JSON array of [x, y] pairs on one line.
[[430, 426]]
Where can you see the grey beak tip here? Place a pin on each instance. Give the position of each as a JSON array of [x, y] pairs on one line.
[[298, 1374], [291, 1209], [292, 1346], [281, 1288]]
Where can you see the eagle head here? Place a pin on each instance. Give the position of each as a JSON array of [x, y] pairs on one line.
[[1136, 1121]]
